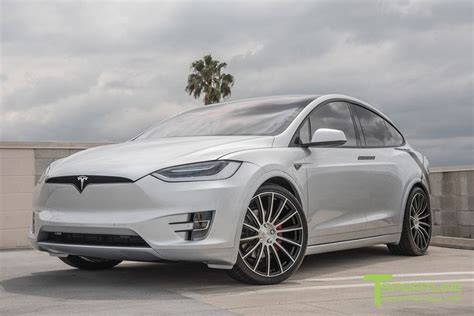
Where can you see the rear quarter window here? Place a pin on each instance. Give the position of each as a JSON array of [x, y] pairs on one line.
[[376, 130]]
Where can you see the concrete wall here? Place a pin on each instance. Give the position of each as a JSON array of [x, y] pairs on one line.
[[17, 179], [21, 165], [452, 201]]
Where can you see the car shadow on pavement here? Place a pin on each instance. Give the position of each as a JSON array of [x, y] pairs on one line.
[[143, 281], [370, 259]]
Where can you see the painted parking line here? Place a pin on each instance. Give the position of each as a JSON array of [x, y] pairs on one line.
[[405, 275], [282, 289], [342, 286], [197, 292]]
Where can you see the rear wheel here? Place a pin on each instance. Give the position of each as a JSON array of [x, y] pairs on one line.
[[273, 239], [416, 232], [87, 263]]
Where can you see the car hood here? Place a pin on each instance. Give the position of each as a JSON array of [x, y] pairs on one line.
[[135, 159]]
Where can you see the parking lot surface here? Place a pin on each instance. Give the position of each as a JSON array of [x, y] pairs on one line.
[[327, 284]]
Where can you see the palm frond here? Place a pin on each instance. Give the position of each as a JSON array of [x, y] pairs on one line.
[[207, 78]]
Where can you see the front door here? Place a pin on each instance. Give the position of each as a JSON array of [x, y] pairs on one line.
[[337, 192]]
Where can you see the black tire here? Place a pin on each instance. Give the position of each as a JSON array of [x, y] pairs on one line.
[[86, 263], [281, 260], [414, 241]]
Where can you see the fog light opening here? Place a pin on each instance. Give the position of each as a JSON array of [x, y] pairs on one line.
[[196, 227], [201, 225]]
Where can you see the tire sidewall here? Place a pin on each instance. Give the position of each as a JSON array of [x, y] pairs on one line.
[[81, 263]]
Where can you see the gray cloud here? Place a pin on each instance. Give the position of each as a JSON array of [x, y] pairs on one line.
[[94, 71]]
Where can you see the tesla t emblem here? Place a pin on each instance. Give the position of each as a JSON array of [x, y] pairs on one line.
[[82, 179]]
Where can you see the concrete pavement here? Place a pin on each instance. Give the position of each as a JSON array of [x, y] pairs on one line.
[[327, 284]]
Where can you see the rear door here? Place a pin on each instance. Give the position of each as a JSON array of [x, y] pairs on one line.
[[384, 183]]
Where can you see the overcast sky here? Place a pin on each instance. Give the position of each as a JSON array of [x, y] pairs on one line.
[[103, 70]]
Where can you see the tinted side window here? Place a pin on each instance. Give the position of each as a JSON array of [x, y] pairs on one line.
[[335, 115], [377, 132], [395, 138], [303, 136]]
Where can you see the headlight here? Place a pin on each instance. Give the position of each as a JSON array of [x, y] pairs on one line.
[[201, 171], [44, 175]]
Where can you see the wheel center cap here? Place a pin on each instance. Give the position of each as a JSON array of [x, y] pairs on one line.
[[267, 233], [416, 223]]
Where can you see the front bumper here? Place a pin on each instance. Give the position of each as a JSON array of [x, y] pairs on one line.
[[150, 209]]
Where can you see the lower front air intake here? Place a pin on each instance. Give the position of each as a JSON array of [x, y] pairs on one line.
[[95, 239]]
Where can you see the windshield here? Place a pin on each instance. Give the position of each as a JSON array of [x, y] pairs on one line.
[[269, 116]]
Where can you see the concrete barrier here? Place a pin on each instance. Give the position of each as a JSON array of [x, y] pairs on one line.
[[452, 201], [22, 163]]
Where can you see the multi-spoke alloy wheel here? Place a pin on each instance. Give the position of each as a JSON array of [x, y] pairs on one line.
[[420, 221], [416, 233], [273, 238]]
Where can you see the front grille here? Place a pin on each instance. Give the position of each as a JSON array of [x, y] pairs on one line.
[[81, 182], [96, 239]]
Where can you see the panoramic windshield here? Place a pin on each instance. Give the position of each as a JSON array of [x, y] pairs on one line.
[[269, 116]]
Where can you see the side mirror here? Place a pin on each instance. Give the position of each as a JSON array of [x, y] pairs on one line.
[[327, 137]]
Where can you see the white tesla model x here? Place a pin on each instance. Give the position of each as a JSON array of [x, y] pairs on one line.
[[250, 186]]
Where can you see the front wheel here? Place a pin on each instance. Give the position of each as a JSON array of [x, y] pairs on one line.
[[273, 239], [87, 263], [417, 225]]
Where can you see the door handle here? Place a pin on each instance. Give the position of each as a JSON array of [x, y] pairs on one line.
[[366, 158]]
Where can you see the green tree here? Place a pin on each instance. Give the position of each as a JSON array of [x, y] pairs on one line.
[[208, 78]]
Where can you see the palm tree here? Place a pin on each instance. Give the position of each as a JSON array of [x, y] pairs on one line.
[[207, 77]]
